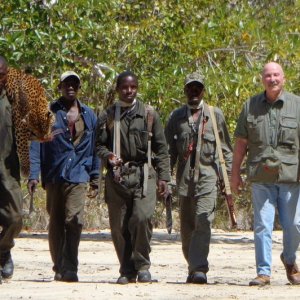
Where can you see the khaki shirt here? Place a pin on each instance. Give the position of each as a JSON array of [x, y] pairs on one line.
[[9, 162], [272, 131], [180, 134], [134, 138]]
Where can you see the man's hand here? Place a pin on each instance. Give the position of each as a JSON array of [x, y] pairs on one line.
[[163, 189], [236, 183], [32, 186], [114, 161]]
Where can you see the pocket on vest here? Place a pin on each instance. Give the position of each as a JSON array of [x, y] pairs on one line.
[[287, 132], [289, 169], [256, 130]]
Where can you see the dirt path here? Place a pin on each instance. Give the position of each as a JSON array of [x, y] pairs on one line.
[[231, 268]]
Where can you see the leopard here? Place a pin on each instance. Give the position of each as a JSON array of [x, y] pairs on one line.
[[31, 116]]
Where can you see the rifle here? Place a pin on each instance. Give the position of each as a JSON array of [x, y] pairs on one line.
[[229, 201], [168, 204], [223, 180]]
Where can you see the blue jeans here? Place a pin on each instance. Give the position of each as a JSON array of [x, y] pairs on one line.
[[266, 198]]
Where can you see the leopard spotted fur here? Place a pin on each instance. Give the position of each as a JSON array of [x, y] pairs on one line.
[[30, 113]]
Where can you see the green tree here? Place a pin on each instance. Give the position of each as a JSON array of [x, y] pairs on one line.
[[160, 40]]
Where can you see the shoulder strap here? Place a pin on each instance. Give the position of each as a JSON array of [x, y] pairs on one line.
[[220, 152], [149, 110]]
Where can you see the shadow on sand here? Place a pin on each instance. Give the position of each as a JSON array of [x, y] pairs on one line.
[[158, 237]]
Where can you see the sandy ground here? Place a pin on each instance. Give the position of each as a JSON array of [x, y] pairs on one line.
[[231, 267]]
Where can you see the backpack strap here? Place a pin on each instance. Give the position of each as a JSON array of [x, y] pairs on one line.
[[150, 118], [117, 138]]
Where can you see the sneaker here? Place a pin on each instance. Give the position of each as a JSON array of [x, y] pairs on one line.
[[292, 271], [199, 278], [260, 280], [144, 276], [7, 265]]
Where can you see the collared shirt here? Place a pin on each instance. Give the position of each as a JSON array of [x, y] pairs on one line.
[[271, 112], [133, 138], [62, 160], [272, 131], [180, 135]]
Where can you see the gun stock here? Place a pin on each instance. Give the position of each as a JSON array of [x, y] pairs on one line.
[[229, 202], [223, 176], [231, 211], [169, 221]]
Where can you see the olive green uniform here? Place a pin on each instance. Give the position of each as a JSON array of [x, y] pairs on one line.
[[197, 199], [10, 191], [272, 132], [130, 211]]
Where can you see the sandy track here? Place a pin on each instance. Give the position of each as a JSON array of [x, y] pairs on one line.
[[231, 267]]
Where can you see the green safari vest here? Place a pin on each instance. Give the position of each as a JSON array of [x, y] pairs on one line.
[[273, 141]]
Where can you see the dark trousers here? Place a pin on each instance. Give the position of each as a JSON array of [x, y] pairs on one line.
[[130, 222], [196, 216], [10, 211], [65, 205]]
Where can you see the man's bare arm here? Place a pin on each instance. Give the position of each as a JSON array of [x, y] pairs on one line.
[[239, 152]]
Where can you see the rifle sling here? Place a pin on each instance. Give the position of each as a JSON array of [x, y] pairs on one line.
[[220, 152]]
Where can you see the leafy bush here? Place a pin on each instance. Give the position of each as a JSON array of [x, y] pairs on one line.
[[161, 41]]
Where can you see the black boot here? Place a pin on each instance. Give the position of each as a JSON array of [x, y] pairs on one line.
[[144, 276], [7, 265]]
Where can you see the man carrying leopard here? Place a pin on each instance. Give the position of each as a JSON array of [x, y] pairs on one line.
[[10, 191]]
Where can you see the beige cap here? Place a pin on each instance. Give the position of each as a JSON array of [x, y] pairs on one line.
[[67, 74]]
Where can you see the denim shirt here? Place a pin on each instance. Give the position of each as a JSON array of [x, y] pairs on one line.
[[59, 160]]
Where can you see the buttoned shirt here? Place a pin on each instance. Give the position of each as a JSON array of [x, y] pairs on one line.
[[273, 133], [271, 112], [61, 159], [181, 135], [134, 138]]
